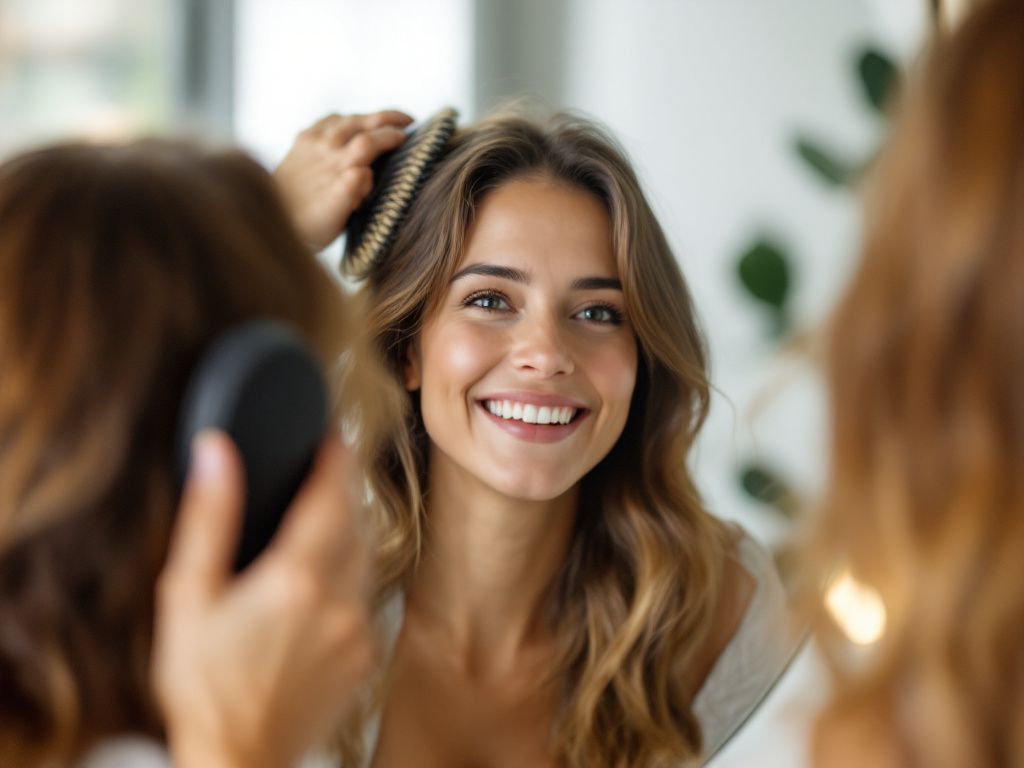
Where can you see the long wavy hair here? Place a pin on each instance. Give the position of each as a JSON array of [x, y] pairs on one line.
[[641, 584], [118, 265], [926, 372]]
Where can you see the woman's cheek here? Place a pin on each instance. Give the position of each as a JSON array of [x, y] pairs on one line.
[[616, 370], [465, 354]]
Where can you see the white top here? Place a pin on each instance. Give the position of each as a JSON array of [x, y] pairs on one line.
[[127, 752]]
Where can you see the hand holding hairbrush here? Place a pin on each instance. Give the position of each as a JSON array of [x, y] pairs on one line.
[[261, 385], [326, 174]]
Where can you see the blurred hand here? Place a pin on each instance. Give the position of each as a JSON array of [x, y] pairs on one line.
[[326, 174], [252, 670]]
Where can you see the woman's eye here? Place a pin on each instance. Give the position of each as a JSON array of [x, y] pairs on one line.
[[490, 301], [601, 314]]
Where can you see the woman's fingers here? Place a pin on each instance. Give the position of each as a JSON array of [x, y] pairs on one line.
[[341, 128], [365, 147], [209, 518], [356, 183], [389, 117], [326, 175]]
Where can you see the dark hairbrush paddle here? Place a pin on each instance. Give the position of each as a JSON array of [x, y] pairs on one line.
[[261, 385], [398, 176]]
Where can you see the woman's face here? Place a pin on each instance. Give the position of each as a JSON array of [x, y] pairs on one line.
[[527, 366]]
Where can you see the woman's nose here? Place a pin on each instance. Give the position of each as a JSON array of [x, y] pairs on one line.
[[540, 349]]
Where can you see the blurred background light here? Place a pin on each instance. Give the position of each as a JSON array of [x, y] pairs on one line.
[[856, 609]]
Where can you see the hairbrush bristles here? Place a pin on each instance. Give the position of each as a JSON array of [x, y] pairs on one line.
[[398, 176]]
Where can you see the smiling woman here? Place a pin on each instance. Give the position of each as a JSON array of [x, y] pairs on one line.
[[524, 334], [553, 589]]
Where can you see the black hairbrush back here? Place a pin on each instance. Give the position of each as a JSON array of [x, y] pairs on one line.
[[398, 176], [261, 385]]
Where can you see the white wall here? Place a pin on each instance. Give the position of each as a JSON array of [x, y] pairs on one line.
[[299, 60]]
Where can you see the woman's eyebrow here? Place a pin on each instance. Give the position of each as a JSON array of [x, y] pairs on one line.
[[519, 276], [492, 270], [596, 284]]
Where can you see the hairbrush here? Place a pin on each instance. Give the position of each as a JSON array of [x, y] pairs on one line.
[[398, 177], [261, 385]]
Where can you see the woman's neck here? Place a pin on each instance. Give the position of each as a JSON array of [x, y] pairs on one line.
[[487, 567]]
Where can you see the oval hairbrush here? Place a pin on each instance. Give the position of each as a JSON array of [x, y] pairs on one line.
[[398, 176], [261, 384]]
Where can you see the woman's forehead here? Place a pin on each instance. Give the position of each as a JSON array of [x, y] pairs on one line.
[[541, 225]]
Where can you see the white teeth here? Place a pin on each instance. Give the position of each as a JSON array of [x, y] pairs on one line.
[[530, 414]]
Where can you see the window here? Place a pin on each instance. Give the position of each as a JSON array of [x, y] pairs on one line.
[[118, 69]]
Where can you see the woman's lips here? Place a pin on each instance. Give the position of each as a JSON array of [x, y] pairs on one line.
[[536, 433]]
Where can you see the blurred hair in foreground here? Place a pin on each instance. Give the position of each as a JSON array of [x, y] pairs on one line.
[[926, 374], [118, 265]]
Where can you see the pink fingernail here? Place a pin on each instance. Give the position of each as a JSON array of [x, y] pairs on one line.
[[207, 455]]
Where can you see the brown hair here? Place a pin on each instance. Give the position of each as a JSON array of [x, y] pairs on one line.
[[926, 372], [636, 596], [118, 265]]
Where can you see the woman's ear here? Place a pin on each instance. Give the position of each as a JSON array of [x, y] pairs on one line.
[[411, 369]]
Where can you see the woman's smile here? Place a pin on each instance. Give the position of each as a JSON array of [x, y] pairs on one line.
[[534, 417]]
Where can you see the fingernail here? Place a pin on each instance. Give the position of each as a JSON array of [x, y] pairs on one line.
[[207, 456]]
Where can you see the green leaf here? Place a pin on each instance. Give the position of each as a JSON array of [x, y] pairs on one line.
[[764, 271], [836, 172], [767, 487], [761, 484], [879, 77]]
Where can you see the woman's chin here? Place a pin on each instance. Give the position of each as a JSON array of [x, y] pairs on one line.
[[532, 488]]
